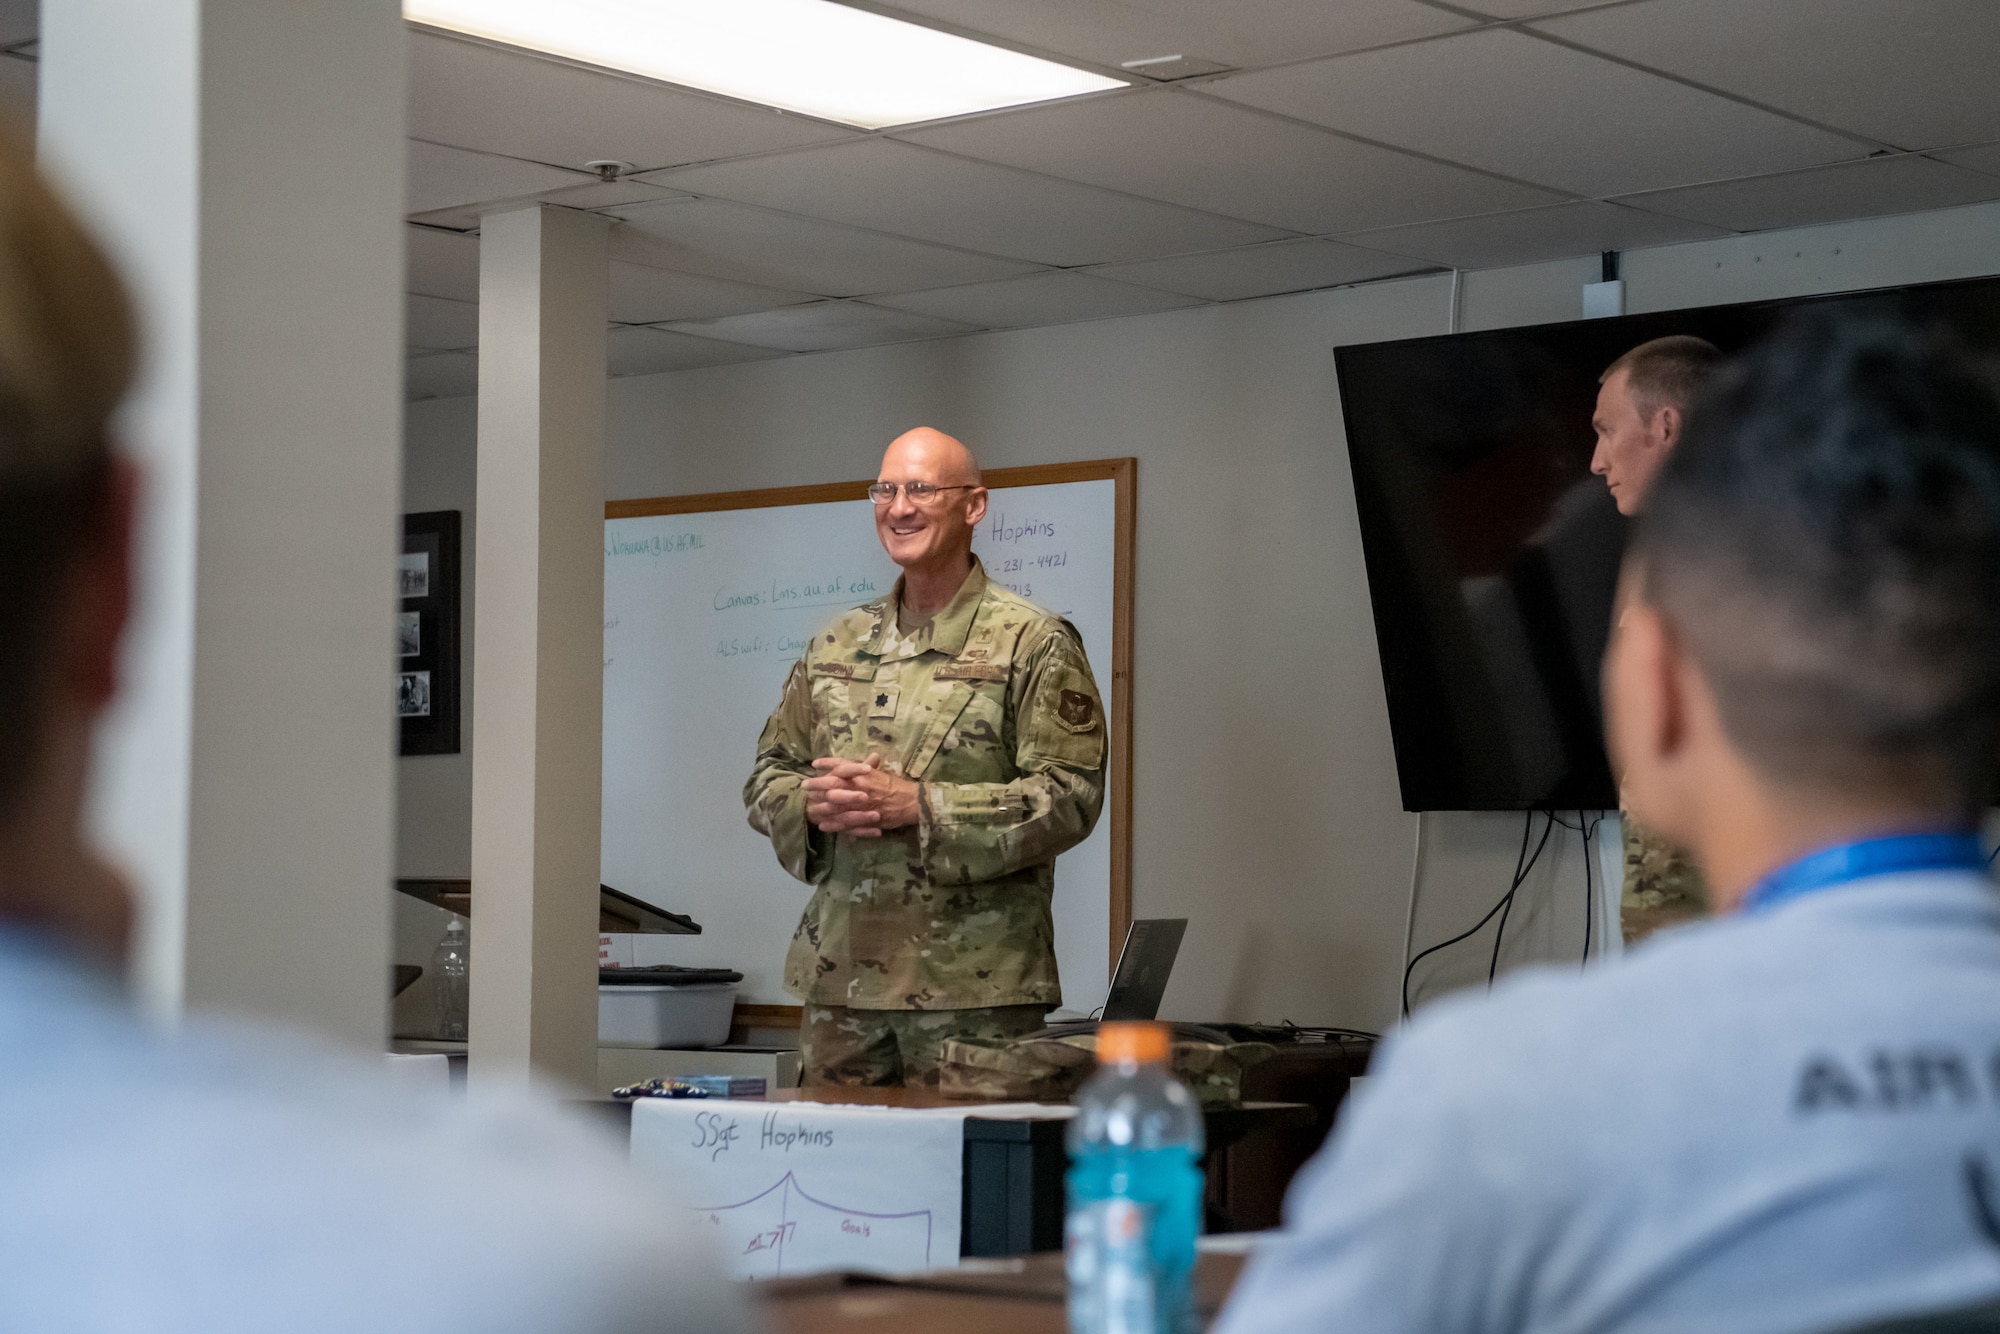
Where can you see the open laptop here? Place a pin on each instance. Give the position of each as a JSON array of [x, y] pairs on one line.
[[1140, 980]]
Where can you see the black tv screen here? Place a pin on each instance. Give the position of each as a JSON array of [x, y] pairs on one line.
[[1493, 551]]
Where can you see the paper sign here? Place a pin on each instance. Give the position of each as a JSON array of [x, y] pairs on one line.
[[798, 1188], [641, 949]]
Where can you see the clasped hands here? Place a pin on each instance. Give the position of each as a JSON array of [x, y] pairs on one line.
[[859, 797]]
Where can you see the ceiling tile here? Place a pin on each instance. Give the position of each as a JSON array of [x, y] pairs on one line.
[[439, 324], [641, 351], [641, 294], [1523, 9], [751, 245], [1912, 73], [1242, 33], [1264, 32], [441, 375], [442, 263], [1535, 234], [1214, 155], [823, 327], [931, 196], [606, 194], [1980, 157], [463, 218], [630, 350], [1866, 189], [1265, 270], [441, 177], [503, 101], [1042, 298], [1513, 104], [597, 195]]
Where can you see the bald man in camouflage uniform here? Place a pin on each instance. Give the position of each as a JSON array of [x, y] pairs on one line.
[[933, 752], [1642, 404]]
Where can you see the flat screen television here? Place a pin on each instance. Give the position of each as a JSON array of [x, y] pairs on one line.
[[1492, 550]]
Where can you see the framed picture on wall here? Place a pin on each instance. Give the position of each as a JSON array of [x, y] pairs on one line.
[[427, 634]]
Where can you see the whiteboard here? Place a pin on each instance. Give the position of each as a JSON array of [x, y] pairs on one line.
[[705, 613]]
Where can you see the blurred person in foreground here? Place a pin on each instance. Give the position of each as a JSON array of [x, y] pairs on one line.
[[228, 1178], [1786, 1118]]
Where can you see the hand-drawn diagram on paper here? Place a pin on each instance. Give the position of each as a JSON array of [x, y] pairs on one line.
[[785, 1222], [800, 1188]]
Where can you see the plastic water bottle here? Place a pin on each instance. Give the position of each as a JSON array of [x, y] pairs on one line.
[[449, 989], [1134, 1190]]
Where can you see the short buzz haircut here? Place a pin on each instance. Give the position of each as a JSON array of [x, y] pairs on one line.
[[67, 351], [1666, 372], [1826, 541]]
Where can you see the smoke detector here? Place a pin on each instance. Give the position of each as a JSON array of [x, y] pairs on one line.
[[1166, 69]]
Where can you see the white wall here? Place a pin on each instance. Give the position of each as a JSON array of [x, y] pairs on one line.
[[1266, 805], [434, 792]]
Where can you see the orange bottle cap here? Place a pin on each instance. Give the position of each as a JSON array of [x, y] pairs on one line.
[[1140, 1043]]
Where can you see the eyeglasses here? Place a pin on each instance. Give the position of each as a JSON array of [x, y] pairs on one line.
[[920, 493]]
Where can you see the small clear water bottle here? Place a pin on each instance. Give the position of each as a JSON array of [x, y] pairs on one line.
[[450, 963], [1135, 1190]]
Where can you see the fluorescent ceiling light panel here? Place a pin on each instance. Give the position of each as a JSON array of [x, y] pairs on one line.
[[810, 56]]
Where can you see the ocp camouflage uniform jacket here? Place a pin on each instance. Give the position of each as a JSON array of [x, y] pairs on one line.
[[993, 710]]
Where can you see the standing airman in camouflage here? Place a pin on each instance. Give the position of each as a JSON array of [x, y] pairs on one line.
[[932, 754], [1641, 408]]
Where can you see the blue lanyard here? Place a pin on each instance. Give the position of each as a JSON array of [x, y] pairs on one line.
[[1846, 862]]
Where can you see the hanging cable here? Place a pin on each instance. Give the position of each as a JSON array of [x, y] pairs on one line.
[[1589, 885], [1523, 864], [1410, 917], [1411, 966], [1586, 828], [1507, 904], [1500, 931]]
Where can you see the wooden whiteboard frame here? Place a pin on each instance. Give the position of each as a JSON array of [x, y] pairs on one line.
[[1124, 473]]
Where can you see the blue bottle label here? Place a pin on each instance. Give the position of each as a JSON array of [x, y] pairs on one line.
[[1113, 1284]]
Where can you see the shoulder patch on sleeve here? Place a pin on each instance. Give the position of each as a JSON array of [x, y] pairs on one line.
[[1077, 710]]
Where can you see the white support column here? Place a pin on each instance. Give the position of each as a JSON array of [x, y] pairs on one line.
[[244, 162], [538, 662]]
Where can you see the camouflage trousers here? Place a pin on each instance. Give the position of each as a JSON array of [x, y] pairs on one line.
[[886, 1048], [1662, 887]]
